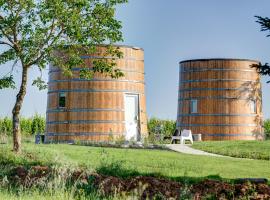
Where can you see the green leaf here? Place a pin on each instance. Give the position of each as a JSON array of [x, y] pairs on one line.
[[86, 73], [40, 83], [7, 82], [8, 55]]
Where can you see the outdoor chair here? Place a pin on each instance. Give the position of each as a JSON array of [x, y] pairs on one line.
[[176, 135], [182, 136], [186, 135]]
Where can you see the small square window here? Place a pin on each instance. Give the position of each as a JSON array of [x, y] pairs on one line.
[[194, 106], [253, 106], [62, 100]]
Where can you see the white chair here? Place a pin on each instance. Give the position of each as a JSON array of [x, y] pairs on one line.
[[176, 135], [186, 135]]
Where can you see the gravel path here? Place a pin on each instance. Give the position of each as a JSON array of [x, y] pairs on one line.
[[188, 150]]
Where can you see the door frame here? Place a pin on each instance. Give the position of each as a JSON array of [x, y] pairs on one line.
[[138, 137]]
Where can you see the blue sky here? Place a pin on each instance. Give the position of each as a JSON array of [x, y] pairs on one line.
[[171, 31]]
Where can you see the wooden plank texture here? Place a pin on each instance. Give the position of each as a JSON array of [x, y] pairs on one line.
[[95, 108], [225, 89]]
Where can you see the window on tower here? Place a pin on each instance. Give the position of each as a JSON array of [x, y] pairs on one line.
[[62, 100], [194, 106]]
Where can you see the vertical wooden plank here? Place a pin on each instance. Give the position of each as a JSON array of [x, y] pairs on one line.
[[220, 106]]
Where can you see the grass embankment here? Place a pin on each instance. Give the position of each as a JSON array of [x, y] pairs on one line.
[[240, 149], [129, 162], [115, 162]]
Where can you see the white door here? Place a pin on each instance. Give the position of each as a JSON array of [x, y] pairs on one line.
[[132, 116]]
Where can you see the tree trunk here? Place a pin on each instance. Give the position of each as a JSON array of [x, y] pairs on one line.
[[16, 112]]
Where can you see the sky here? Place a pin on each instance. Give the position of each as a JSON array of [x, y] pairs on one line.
[[170, 31]]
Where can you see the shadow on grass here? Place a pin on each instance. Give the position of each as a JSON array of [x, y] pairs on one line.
[[117, 169]]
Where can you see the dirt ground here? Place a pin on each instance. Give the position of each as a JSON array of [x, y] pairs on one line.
[[150, 187]]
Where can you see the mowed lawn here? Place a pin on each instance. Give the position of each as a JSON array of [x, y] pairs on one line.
[[125, 162], [240, 149]]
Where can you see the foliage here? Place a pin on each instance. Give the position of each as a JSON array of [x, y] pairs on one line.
[[32, 30], [29, 126], [59, 32], [6, 126], [240, 149], [263, 69], [38, 124], [26, 126], [267, 128], [7, 82], [159, 126]]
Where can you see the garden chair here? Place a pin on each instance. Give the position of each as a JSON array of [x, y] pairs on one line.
[[186, 135], [176, 135]]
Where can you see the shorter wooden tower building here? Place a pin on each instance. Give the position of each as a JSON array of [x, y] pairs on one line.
[[100, 108], [220, 99]]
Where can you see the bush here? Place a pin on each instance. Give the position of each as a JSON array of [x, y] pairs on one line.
[[267, 128], [6, 126], [161, 127], [38, 124], [26, 126], [29, 126]]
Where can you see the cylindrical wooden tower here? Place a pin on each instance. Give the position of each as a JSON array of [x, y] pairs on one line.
[[220, 99], [101, 108]]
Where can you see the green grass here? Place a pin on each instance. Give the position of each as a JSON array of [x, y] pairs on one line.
[[240, 149], [117, 162], [131, 162], [37, 195]]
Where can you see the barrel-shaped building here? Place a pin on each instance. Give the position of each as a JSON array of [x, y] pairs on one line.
[[101, 108], [220, 99]]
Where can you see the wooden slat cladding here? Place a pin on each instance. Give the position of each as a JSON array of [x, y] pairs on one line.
[[224, 91], [95, 108]]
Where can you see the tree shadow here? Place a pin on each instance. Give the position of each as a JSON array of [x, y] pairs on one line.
[[251, 92], [117, 169]]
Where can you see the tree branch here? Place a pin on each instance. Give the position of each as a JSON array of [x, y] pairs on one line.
[[7, 36], [43, 53], [6, 43]]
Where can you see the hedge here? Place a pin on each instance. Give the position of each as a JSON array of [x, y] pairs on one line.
[[29, 126], [161, 126]]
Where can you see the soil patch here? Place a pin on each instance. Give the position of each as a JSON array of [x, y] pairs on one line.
[[148, 187]]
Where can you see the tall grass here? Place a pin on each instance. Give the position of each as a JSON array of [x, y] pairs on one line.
[[29, 126]]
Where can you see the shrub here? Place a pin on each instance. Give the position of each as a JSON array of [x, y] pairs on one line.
[[38, 124], [161, 127], [26, 126], [29, 126], [267, 128], [6, 126]]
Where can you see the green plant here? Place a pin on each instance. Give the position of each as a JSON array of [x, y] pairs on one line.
[[36, 33], [161, 127], [29, 126], [38, 124], [5, 126], [267, 128], [3, 138], [120, 140], [111, 137], [26, 126]]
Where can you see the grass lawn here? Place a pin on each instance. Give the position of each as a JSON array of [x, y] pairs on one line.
[[129, 162], [240, 149]]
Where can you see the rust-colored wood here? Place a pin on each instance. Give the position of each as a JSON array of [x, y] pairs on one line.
[[224, 89], [95, 108]]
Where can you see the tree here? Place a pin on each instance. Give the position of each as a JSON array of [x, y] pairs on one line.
[[263, 69], [34, 33]]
